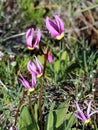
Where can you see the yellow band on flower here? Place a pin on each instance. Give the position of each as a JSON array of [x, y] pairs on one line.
[[38, 76], [87, 121], [31, 90], [60, 37], [30, 48]]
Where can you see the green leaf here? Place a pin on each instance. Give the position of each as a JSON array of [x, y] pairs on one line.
[[41, 58], [96, 1], [65, 56], [56, 66], [70, 120], [50, 121], [36, 115], [60, 114], [26, 122]]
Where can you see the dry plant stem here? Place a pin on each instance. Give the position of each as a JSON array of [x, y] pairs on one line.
[[32, 111], [45, 32], [40, 94], [77, 125], [21, 102], [46, 6]]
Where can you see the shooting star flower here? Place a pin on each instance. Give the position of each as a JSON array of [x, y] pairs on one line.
[[55, 28], [31, 40], [80, 115], [35, 68], [50, 57], [27, 85]]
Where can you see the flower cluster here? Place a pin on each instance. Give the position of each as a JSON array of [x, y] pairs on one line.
[[56, 28], [36, 71], [80, 115]]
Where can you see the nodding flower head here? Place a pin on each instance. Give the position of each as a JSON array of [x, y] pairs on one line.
[[27, 85], [49, 56], [36, 69], [80, 115], [55, 27], [31, 40]]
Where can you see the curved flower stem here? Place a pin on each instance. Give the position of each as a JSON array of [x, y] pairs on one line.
[[21, 102], [40, 94], [32, 111], [40, 105]]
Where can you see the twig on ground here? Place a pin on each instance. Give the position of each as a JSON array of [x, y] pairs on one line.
[[3, 85], [66, 31]]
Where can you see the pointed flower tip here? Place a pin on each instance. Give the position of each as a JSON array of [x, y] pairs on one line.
[[29, 32]]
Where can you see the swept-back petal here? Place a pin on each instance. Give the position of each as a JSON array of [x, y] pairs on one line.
[[93, 113], [81, 112], [37, 38], [33, 80], [39, 65], [88, 109], [31, 67], [52, 27], [29, 37], [33, 84], [78, 116], [59, 23], [25, 83]]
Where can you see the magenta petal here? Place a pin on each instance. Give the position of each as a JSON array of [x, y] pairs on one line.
[[93, 113], [39, 65], [37, 38], [29, 32], [81, 112], [50, 57], [31, 67], [77, 116], [11, 128], [29, 37], [52, 27], [25, 82], [33, 80], [88, 109], [60, 24]]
